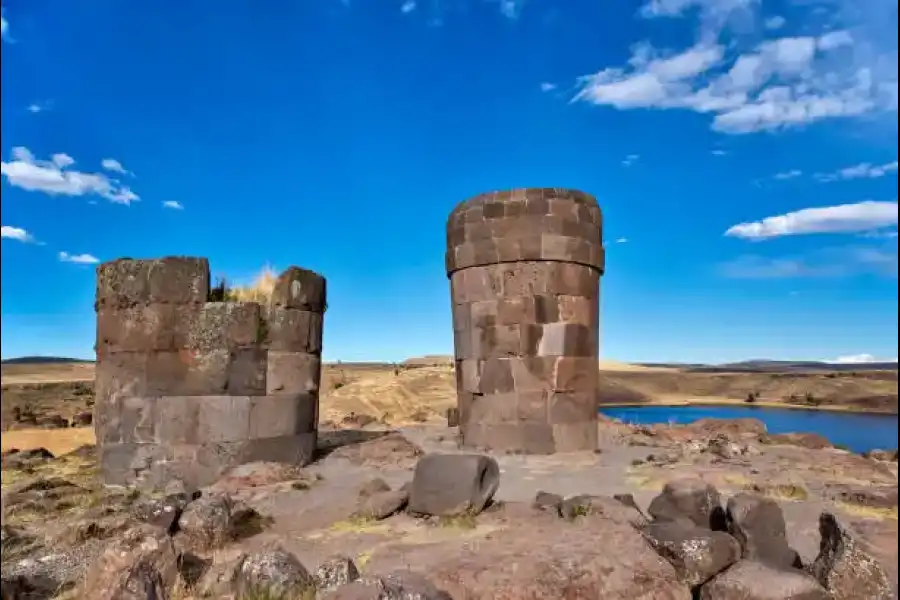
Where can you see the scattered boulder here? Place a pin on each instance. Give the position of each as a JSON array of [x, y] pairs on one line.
[[82, 419], [214, 519], [845, 569], [51, 422], [390, 449], [24, 459], [450, 484], [382, 505], [141, 565], [161, 512], [373, 486], [749, 580], [612, 509], [273, 573], [696, 552], [545, 501], [399, 585], [689, 498], [335, 572], [758, 525]]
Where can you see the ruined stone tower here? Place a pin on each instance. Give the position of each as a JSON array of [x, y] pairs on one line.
[[186, 388], [524, 268]]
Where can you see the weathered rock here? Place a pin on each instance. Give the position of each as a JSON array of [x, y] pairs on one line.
[[845, 569], [273, 573], [82, 419], [691, 499], [161, 512], [142, 565], [382, 505], [20, 459], [882, 455], [730, 427], [545, 558], [546, 501], [882, 496], [812, 441], [758, 525], [696, 552], [610, 508], [22, 587], [220, 578], [447, 484], [206, 523], [335, 572], [390, 449], [399, 585], [373, 486], [749, 580]]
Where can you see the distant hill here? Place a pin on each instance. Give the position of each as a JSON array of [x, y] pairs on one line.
[[779, 366], [42, 360]]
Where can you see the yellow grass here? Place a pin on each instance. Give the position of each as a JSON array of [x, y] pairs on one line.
[[57, 441], [259, 291], [47, 373], [868, 512]]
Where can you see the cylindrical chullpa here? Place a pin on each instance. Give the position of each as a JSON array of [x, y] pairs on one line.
[[524, 268]]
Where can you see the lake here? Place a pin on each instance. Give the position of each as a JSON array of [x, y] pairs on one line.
[[858, 432]]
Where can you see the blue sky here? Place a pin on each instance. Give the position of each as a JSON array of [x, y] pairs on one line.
[[744, 154]]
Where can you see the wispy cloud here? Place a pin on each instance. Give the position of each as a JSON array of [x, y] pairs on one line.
[[173, 204], [855, 359], [4, 28], [38, 107], [547, 86], [621, 240], [775, 22], [8, 232], [511, 9], [718, 152], [845, 218], [111, 164], [841, 262], [861, 171], [80, 259], [785, 175], [54, 177], [779, 83], [408, 6], [631, 159]]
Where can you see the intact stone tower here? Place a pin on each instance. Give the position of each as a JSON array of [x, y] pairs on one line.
[[524, 268], [186, 387]]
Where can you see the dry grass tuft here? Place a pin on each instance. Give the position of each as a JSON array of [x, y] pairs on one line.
[[868, 512], [259, 291]]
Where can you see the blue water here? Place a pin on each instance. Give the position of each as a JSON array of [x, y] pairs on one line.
[[858, 432]]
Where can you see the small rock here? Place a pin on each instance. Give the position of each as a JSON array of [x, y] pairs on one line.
[[845, 569], [374, 486], [142, 565], [161, 512], [758, 525], [220, 578], [382, 505], [748, 580], [206, 522], [448, 484], [696, 553], [691, 499], [400, 585], [82, 419], [273, 573], [546, 501], [612, 509], [334, 572]]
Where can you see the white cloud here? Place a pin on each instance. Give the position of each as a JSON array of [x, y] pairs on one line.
[[779, 83], [111, 164], [173, 204], [547, 86], [784, 175], [80, 259], [9, 232], [631, 159], [845, 218], [408, 6], [861, 171], [55, 178], [854, 359], [4, 28], [718, 152], [621, 240], [511, 9], [775, 22], [880, 261]]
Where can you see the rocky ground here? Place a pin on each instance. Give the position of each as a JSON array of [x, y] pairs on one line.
[[715, 510]]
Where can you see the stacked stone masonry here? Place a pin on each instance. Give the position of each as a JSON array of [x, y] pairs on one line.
[[524, 268], [187, 388]]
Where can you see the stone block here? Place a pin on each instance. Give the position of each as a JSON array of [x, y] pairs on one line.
[[496, 376], [491, 409], [288, 329], [171, 280], [139, 328], [225, 325], [292, 372], [136, 420], [571, 407], [277, 415], [565, 339], [298, 449], [187, 373], [177, 420], [247, 372], [123, 463], [575, 437], [223, 418], [300, 289]]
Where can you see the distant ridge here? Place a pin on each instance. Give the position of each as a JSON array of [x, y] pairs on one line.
[[779, 366], [42, 360]]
